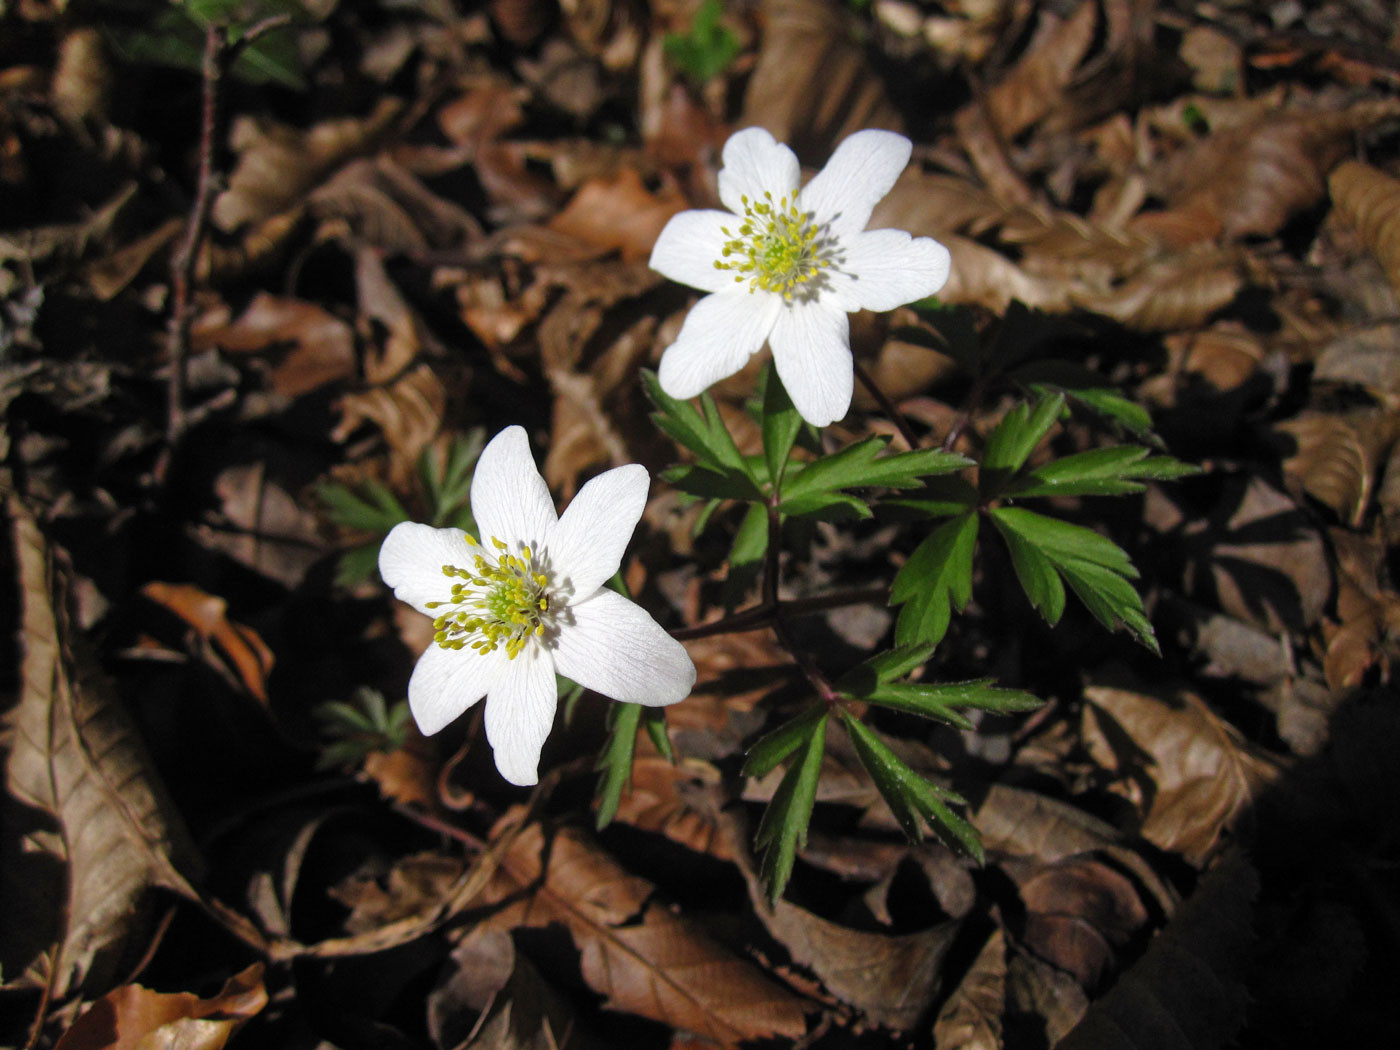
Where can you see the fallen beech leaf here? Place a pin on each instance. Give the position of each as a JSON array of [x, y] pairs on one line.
[[1369, 200], [1187, 991], [1038, 990], [135, 1018], [1225, 356], [1080, 913], [813, 84], [643, 957], [76, 755], [409, 411], [1330, 463], [82, 77], [1367, 356], [247, 654], [1025, 823], [407, 774], [321, 345], [971, 1018], [389, 208], [1251, 179], [1178, 292], [263, 526], [676, 801], [414, 885], [107, 277], [1036, 82], [277, 164], [981, 276], [519, 1009], [1189, 772], [619, 214]]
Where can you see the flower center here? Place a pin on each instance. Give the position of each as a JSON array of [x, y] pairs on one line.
[[777, 248], [501, 601]]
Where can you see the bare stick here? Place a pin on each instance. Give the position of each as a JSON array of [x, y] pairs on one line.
[[886, 405]]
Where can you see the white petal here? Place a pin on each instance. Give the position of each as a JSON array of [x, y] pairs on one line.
[[446, 682], [520, 714], [812, 352], [510, 500], [857, 176], [721, 332], [689, 246], [613, 647], [411, 560], [755, 162], [595, 528], [882, 269]]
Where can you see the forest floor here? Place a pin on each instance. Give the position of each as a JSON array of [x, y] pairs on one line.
[[270, 275]]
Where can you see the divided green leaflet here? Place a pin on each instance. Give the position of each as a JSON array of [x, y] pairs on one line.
[[937, 575], [784, 825]]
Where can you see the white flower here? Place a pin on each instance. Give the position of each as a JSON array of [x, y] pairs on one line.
[[528, 600], [787, 266]]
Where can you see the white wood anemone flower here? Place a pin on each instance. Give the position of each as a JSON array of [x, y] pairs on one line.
[[529, 600], [787, 263]]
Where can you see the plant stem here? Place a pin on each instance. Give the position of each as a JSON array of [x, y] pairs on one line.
[[757, 617], [886, 405], [771, 568]]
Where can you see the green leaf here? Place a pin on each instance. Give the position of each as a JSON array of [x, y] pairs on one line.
[[912, 799], [783, 828], [858, 467], [707, 49], [1037, 574], [1019, 431], [937, 575], [773, 749], [941, 701], [702, 432], [746, 554], [711, 484], [781, 423], [369, 508], [939, 498], [862, 680], [1085, 387], [654, 722], [615, 760], [447, 477], [357, 564], [827, 506], [1099, 472], [1096, 568]]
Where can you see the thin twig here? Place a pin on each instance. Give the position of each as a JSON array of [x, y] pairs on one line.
[[759, 616], [886, 405]]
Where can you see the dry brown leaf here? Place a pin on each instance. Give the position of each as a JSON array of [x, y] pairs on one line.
[[1036, 83], [82, 77], [107, 277], [971, 1018], [236, 645], [386, 206], [1080, 913], [76, 755], [407, 774], [1025, 823], [1251, 179], [618, 213], [409, 411], [320, 347], [1369, 200], [413, 886], [262, 525], [1330, 463], [1224, 356], [518, 1009], [1216, 60], [676, 800], [813, 85], [1367, 356], [1367, 628], [135, 1018], [1181, 291], [277, 164], [1187, 991], [483, 113], [1040, 990], [981, 276], [645, 958], [1190, 773]]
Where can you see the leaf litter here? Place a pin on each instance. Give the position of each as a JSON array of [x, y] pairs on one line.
[[445, 228]]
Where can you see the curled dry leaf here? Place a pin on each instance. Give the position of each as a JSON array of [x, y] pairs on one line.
[[1080, 914], [413, 886], [1369, 200], [971, 1018], [679, 800], [1332, 462], [407, 774], [1190, 773], [1251, 179], [238, 648], [1036, 83], [618, 213], [317, 347], [135, 1018], [277, 164], [519, 1009], [409, 411], [813, 84], [1178, 292], [1187, 992], [76, 755], [643, 957], [387, 207]]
